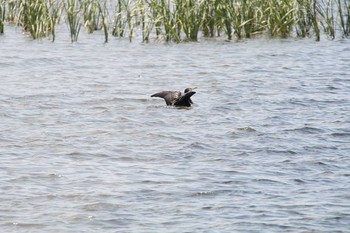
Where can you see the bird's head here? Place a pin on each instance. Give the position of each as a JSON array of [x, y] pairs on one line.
[[189, 89]]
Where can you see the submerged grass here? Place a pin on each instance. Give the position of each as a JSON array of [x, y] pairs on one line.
[[72, 8], [2, 16], [344, 15], [180, 20], [36, 18]]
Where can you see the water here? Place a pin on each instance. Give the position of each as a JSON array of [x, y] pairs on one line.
[[84, 148]]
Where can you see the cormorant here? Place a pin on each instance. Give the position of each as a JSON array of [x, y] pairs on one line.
[[176, 98]]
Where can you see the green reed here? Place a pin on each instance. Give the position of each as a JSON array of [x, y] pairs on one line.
[[280, 17], [119, 23], [35, 18], [92, 13], [104, 15], [344, 16], [225, 12], [130, 18], [250, 18], [303, 18], [2, 16], [189, 18], [165, 19], [326, 12], [125, 19], [72, 8], [146, 21], [314, 20], [12, 9], [55, 11], [179, 20]]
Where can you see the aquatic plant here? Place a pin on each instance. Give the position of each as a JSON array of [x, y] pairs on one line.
[[168, 17], [130, 14], [229, 16], [91, 12], [303, 18], [104, 15], [251, 18], [344, 16], [2, 16], [314, 20], [146, 21], [179, 20], [189, 18], [35, 18], [280, 17], [208, 20], [12, 7], [326, 12], [119, 24], [55, 10], [125, 18], [73, 17]]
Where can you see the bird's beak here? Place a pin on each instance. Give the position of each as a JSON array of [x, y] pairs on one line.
[[194, 88]]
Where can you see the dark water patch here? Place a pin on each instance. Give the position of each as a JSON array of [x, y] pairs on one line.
[[341, 135], [272, 151], [200, 146], [299, 181], [306, 130], [269, 181]]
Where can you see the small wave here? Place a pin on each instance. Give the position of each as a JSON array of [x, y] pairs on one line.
[[278, 151], [307, 130], [209, 193], [269, 181], [341, 135], [299, 181], [198, 145], [141, 100]]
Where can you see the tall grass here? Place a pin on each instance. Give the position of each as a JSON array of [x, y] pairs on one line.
[[119, 23], [12, 10], [326, 11], [344, 15], [35, 18], [72, 8], [180, 20], [189, 18], [280, 17], [2, 16], [55, 11], [303, 18], [91, 12], [125, 19], [102, 6]]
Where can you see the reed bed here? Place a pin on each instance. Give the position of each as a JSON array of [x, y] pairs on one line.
[[2, 16], [180, 20]]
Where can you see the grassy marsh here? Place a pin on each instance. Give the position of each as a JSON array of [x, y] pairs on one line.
[[180, 20]]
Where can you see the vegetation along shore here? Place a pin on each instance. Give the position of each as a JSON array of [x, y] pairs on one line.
[[179, 20]]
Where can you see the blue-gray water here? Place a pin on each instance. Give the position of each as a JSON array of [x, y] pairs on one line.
[[84, 148]]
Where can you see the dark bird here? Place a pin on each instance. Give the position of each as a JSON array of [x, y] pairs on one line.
[[176, 98]]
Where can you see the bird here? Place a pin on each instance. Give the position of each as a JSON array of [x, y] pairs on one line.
[[176, 98]]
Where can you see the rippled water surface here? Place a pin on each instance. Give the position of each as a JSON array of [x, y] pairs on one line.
[[84, 148]]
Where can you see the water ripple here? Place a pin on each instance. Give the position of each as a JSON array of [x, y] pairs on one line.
[[264, 147]]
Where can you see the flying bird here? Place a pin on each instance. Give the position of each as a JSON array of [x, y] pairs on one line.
[[176, 98]]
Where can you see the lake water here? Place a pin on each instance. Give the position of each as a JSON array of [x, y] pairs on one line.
[[84, 148]]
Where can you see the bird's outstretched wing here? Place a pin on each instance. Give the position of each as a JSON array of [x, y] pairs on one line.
[[185, 100], [170, 97]]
